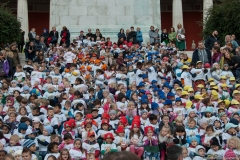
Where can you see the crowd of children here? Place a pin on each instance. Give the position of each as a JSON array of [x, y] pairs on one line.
[[77, 105]]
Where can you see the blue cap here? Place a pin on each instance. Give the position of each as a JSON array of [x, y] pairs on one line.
[[144, 102], [141, 84], [144, 97], [170, 94], [209, 109], [141, 91], [154, 81], [155, 89], [154, 106], [51, 59], [178, 99], [166, 85], [26, 88], [168, 102], [144, 76]]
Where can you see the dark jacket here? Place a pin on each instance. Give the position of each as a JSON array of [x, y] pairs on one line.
[[67, 38], [234, 60], [16, 59], [195, 57], [133, 35], [121, 35], [90, 35], [10, 63], [52, 34], [209, 42], [30, 37]]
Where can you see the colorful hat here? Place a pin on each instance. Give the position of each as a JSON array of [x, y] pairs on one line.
[[224, 85], [105, 121], [200, 86], [105, 116], [154, 106], [22, 126], [108, 135], [185, 67], [229, 155], [49, 129], [188, 104], [28, 143], [234, 102], [223, 77], [91, 133], [230, 125], [232, 78], [147, 129], [184, 93], [198, 96], [120, 129], [190, 89], [123, 120], [88, 116]]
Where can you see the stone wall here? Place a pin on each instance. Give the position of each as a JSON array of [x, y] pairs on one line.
[[107, 15]]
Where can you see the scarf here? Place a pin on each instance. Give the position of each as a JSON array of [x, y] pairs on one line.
[[216, 57]]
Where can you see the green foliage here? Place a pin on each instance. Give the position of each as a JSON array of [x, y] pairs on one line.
[[9, 26], [223, 16]]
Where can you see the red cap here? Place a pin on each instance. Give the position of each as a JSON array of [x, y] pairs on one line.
[[123, 120], [136, 118], [91, 133], [135, 124], [148, 128], [68, 124], [89, 116], [105, 121], [120, 129], [105, 116], [125, 42], [94, 55], [108, 135], [207, 65], [121, 46]]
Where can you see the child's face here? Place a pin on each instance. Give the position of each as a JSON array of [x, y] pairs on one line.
[[56, 139], [91, 157], [78, 117], [185, 153], [214, 147], [56, 110], [192, 114], [178, 103], [131, 107], [45, 132], [149, 133], [105, 127], [165, 120], [5, 130], [208, 114], [144, 116], [55, 149], [201, 152], [12, 117], [217, 124], [95, 113], [109, 140], [64, 155], [77, 144], [68, 141], [12, 142], [50, 113], [191, 124], [26, 156], [68, 128], [33, 148], [232, 144], [14, 84], [154, 121], [9, 103], [164, 132], [112, 116], [194, 143]]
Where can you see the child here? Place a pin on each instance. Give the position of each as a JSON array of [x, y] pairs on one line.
[[31, 145], [153, 121], [135, 138], [67, 142], [19, 75], [50, 120], [208, 136], [131, 112], [164, 138], [44, 140], [26, 154], [179, 137], [13, 144], [52, 150], [65, 155], [192, 129], [200, 153], [120, 140], [229, 132], [58, 114], [186, 77], [233, 144], [18, 155], [150, 143], [113, 119], [77, 151], [185, 153], [35, 74], [216, 149], [108, 146], [90, 145], [105, 128], [194, 142], [69, 128]]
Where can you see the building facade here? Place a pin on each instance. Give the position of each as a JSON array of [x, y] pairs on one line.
[[111, 15]]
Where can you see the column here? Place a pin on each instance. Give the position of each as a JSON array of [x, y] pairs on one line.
[[206, 5], [177, 13], [22, 13]]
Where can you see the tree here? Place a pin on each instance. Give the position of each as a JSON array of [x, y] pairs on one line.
[[223, 16], [9, 26]]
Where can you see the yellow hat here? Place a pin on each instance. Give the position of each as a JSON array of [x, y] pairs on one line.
[[212, 84], [75, 73], [235, 92], [232, 78], [214, 94], [215, 87], [224, 85], [227, 103], [235, 102], [188, 104], [178, 88], [184, 93], [200, 86], [220, 101], [185, 67], [190, 89], [185, 88], [223, 77], [237, 85], [199, 62], [198, 96], [210, 79]]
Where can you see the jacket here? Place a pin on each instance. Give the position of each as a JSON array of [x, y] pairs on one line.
[[152, 34], [209, 42], [133, 35], [121, 35], [139, 36], [67, 38], [195, 57], [16, 59], [5, 66]]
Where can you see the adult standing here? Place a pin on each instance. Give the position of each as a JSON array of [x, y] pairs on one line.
[[211, 39], [180, 42], [43, 44], [65, 37], [121, 34], [90, 34], [172, 35], [157, 36], [139, 36], [32, 34], [37, 43], [16, 59], [9, 56], [97, 34], [152, 34], [21, 43], [202, 54], [133, 35], [45, 34], [30, 50], [53, 36], [234, 64]]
